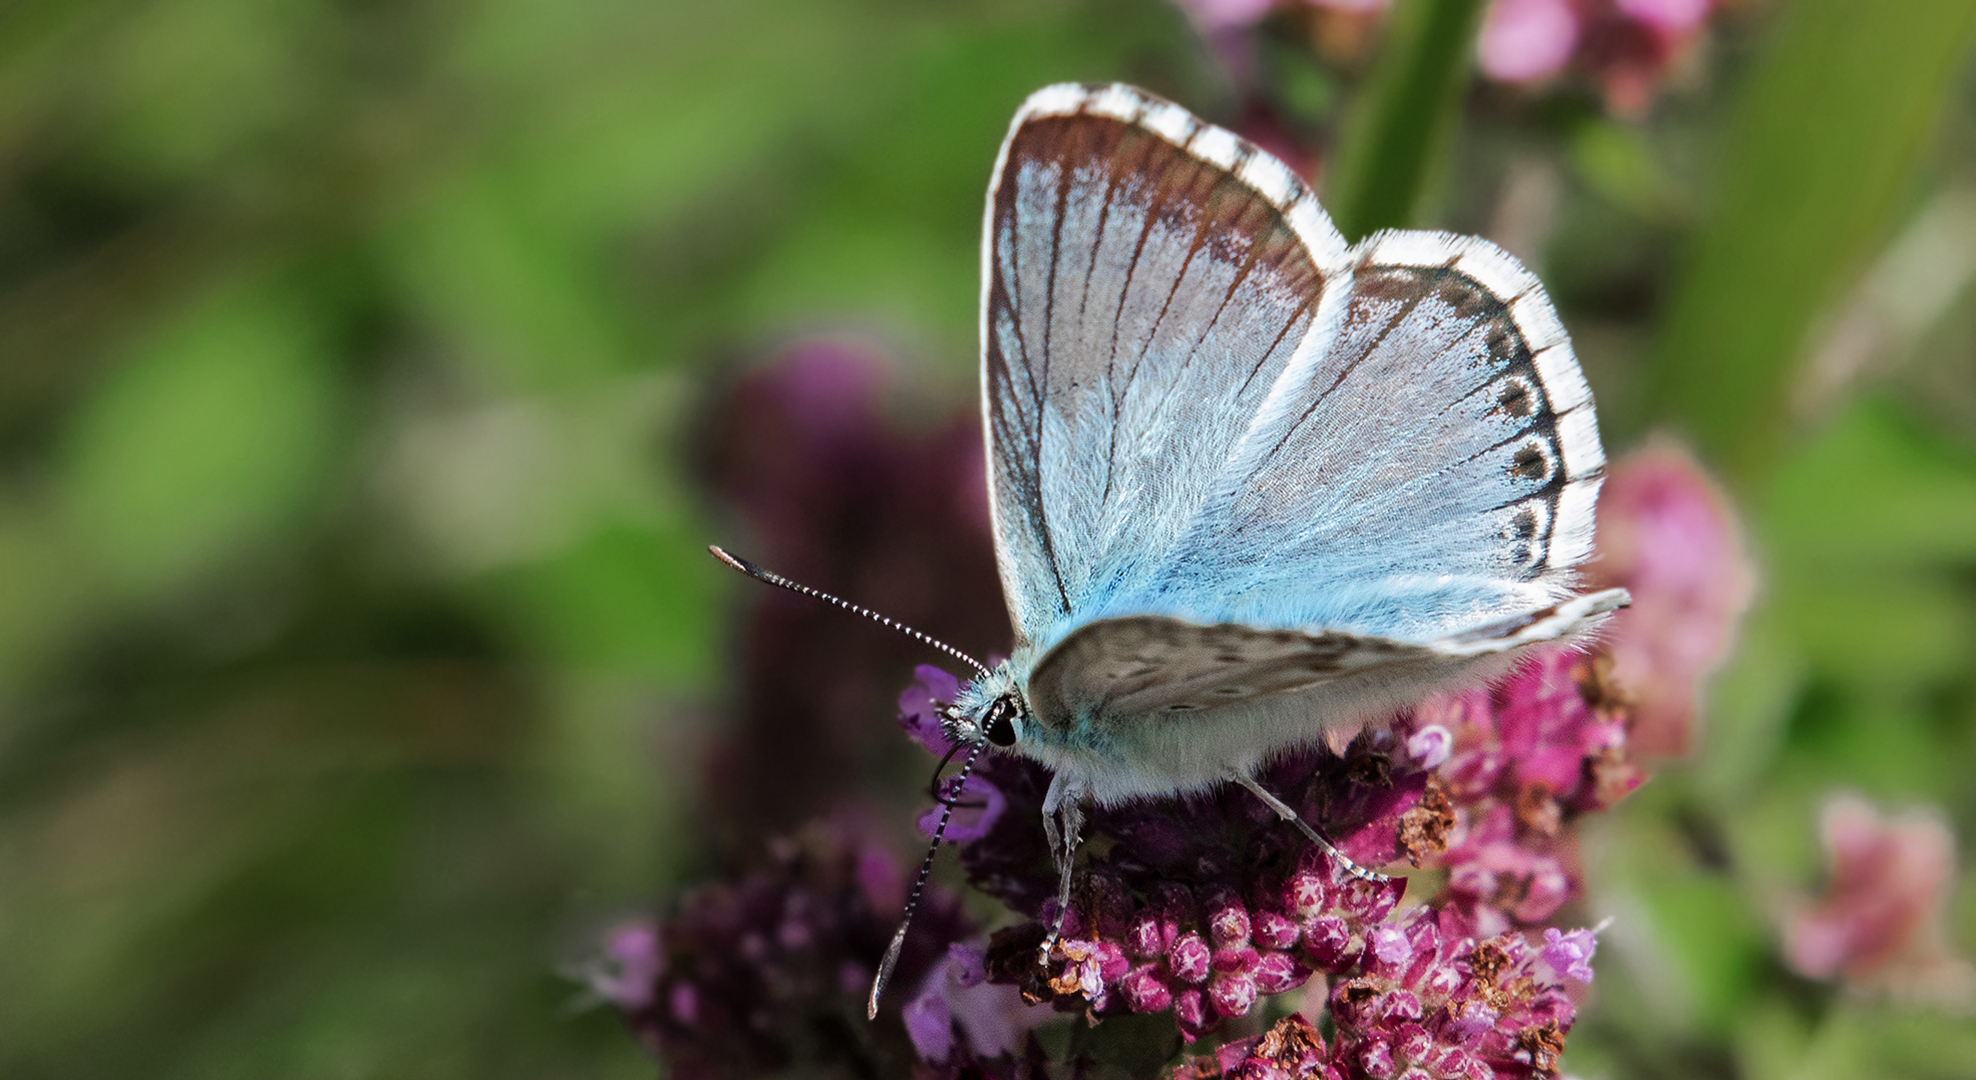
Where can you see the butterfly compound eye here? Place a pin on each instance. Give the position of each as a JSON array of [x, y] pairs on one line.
[[1000, 727]]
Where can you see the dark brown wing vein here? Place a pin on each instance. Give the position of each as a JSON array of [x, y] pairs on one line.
[[1291, 429]]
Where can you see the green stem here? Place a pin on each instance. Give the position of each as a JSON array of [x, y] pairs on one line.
[[1404, 117]]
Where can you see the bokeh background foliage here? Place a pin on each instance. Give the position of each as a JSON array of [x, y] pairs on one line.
[[358, 653]]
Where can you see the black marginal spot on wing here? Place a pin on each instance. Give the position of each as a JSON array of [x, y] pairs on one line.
[[1530, 462], [1524, 525], [1516, 397]]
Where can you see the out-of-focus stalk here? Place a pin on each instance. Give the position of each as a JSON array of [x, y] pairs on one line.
[[1404, 117]]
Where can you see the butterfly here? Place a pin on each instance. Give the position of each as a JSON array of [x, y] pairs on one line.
[[1249, 484]]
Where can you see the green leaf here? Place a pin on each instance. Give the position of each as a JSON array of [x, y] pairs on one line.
[[1831, 128], [214, 434]]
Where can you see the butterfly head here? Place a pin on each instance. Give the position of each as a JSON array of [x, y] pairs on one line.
[[989, 709]]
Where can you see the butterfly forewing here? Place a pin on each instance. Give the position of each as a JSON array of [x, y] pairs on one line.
[[1147, 280]]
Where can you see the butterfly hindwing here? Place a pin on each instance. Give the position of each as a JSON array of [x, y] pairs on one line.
[[1147, 278], [1433, 470], [1151, 669]]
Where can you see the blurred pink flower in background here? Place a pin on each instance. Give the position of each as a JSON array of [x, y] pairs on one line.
[[1232, 14], [1214, 15], [1881, 923], [1527, 40], [1667, 534], [1624, 46], [1667, 16]]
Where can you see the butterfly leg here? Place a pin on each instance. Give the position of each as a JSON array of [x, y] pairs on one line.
[[1287, 813], [1063, 826]]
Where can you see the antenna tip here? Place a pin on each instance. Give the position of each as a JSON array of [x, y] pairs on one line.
[[716, 552], [885, 967]]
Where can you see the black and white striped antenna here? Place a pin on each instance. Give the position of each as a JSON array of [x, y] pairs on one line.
[[779, 581], [898, 943]]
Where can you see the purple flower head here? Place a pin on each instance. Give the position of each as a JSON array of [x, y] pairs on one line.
[[919, 707], [629, 969], [1198, 906], [731, 984], [978, 805], [1570, 955], [991, 1019]]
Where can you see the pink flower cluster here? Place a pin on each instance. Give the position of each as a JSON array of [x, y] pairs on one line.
[[1412, 993], [1625, 46], [1881, 925], [1522, 762]]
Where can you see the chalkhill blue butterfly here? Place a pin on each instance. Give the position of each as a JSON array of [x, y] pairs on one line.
[[1251, 486]]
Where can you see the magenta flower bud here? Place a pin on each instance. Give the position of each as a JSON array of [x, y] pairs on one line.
[[1228, 919], [1416, 1073], [1472, 879], [1145, 991], [1305, 895], [1400, 1005], [1174, 906], [1275, 930], [1352, 1002], [1389, 949], [1191, 1010], [1376, 1058], [1240, 959], [1412, 1042], [1276, 972], [1189, 958], [1549, 888], [1452, 1062], [1370, 900], [1232, 993], [1480, 1070], [1111, 961], [1328, 940], [1441, 980], [1142, 938]]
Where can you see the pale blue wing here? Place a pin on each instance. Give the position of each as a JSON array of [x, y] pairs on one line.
[[1147, 279], [1432, 469]]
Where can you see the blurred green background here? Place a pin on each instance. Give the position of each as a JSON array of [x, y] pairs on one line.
[[356, 636]]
